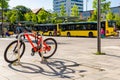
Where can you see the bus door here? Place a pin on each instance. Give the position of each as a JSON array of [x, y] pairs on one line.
[[63, 29], [58, 29]]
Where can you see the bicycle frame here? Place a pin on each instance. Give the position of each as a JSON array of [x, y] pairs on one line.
[[46, 48], [40, 42]]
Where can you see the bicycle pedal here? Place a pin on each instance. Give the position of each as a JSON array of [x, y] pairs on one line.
[[32, 54]]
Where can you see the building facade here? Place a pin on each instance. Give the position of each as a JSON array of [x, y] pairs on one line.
[[85, 15], [68, 4]]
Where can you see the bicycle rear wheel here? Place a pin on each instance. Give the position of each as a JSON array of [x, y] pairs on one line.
[[53, 47], [11, 52]]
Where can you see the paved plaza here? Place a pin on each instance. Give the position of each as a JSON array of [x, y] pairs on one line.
[[74, 60]]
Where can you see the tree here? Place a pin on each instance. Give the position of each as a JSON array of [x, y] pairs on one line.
[[94, 16], [11, 16], [8, 15], [109, 16], [28, 16], [34, 18], [5, 3], [42, 16], [3, 6], [21, 10], [74, 11], [31, 17], [105, 6], [117, 19], [53, 17], [62, 10]]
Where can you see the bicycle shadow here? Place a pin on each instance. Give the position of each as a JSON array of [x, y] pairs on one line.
[[54, 67]]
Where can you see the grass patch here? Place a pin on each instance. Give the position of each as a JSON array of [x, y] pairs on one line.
[[99, 53]]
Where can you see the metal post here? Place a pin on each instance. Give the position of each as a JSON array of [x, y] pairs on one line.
[[43, 59], [18, 49], [99, 28]]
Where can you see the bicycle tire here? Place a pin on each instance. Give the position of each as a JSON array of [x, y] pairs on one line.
[[22, 46], [54, 49]]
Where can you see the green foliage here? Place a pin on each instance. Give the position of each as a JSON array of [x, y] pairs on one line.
[[31, 17], [8, 14], [117, 19], [53, 17], [105, 6], [5, 3], [100, 53], [28, 16], [62, 10], [11, 16], [59, 21], [109, 16], [42, 16], [18, 13], [74, 11], [21, 11], [94, 16], [34, 18], [3, 6]]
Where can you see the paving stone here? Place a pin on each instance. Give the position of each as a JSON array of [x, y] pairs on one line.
[[74, 60]]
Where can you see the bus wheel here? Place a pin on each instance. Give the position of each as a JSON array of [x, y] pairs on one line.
[[90, 34], [50, 34], [68, 34]]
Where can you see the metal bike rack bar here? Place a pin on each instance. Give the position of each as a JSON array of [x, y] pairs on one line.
[[42, 49], [18, 47]]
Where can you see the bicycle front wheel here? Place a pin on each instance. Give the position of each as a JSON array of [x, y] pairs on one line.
[[11, 52], [52, 44]]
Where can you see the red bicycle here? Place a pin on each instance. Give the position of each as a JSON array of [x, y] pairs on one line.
[[47, 47]]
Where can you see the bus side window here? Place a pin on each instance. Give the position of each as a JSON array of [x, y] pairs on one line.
[[73, 27], [93, 27], [78, 27], [46, 28], [84, 28], [63, 28], [88, 26]]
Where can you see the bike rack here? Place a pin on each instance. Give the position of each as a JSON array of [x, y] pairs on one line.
[[18, 47]]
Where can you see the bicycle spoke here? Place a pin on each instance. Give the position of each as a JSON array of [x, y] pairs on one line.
[[11, 53], [49, 47]]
